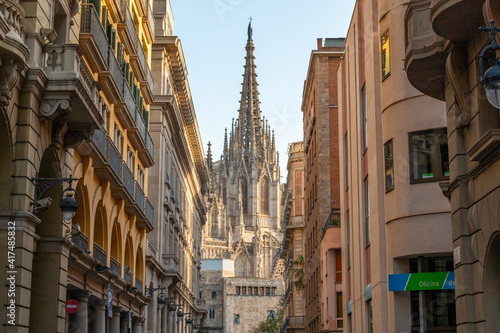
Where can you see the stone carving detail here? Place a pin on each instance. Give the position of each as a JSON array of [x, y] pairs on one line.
[[59, 129], [72, 139], [456, 69], [51, 108], [491, 11], [8, 80]]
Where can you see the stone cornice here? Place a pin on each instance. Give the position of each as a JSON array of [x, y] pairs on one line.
[[173, 48]]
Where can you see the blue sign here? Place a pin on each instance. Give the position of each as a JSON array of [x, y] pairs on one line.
[[109, 303]]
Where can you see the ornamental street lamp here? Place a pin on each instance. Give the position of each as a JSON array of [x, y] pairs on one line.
[[491, 78], [68, 201]]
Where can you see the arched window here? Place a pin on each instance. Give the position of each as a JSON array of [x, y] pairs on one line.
[[244, 194], [239, 267], [214, 295], [264, 196]]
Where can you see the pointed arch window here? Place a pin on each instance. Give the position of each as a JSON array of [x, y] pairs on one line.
[[239, 267], [264, 196], [244, 194]]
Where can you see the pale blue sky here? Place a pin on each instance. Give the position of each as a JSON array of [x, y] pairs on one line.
[[213, 35]]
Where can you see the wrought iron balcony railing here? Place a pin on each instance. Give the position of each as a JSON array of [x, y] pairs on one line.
[[332, 221], [99, 254]]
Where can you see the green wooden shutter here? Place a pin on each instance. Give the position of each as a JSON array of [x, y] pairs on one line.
[[113, 39], [145, 115], [97, 6], [126, 69], [109, 28], [131, 82], [120, 55]]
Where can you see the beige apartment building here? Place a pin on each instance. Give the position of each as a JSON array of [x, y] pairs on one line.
[[177, 183], [321, 186], [78, 99], [443, 42], [292, 249], [394, 155]]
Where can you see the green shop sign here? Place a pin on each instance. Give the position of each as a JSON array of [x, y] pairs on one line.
[[422, 281]]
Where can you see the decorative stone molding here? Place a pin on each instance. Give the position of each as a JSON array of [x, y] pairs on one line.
[[59, 128], [51, 108], [456, 69], [8, 80], [72, 139]]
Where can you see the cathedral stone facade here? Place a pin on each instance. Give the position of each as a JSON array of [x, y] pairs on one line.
[[242, 236], [243, 212]]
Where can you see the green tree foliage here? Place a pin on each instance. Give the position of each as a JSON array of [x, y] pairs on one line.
[[272, 325], [299, 273]]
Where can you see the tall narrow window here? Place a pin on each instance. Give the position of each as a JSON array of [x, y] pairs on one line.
[[389, 166], [364, 119], [264, 196], [386, 59], [429, 155], [340, 310], [366, 199], [224, 190], [348, 239], [244, 195], [338, 266], [346, 161]]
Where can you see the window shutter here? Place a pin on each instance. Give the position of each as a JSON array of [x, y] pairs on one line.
[[121, 54], [104, 16], [113, 39], [97, 6], [126, 71], [131, 82], [145, 115], [108, 33]]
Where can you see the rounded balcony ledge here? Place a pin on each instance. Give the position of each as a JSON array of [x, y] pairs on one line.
[[425, 57], [456, 20]]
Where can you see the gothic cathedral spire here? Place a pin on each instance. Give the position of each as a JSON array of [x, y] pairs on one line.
[[249, 120]]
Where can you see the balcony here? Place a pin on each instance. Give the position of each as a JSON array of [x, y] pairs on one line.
[[139, 196], [109, 165], [138, 60], [99, 254], [332, 221], [448, 21], [295, 322], [295, 222], [70, 85], [81, 241], [126, 110], [138, 284], [425, 56], [116, 267], [128, 276], [126, 29], [93, 40], [148, 21], [12, 32]]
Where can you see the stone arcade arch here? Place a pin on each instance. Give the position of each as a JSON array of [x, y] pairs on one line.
[[6, 163], [492, 285], [52, 253]]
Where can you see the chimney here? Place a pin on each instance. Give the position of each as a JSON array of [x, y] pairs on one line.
[[320, 43]]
